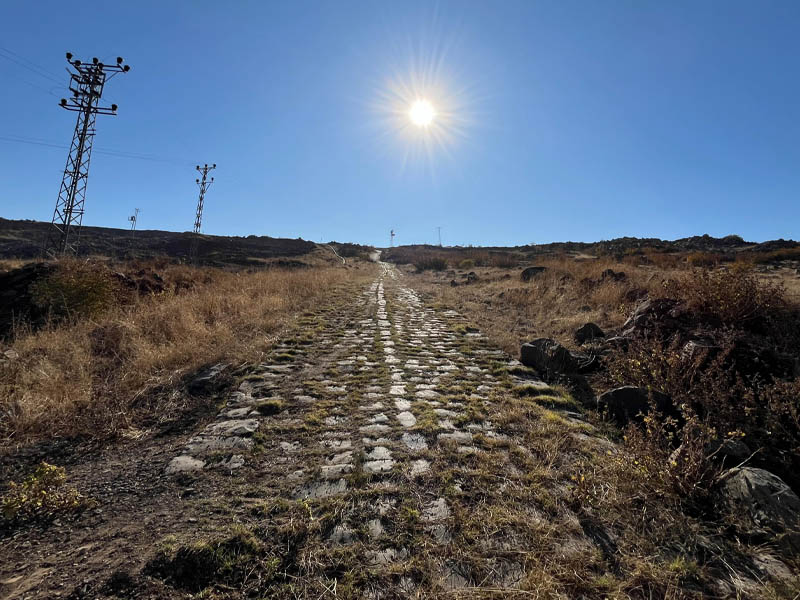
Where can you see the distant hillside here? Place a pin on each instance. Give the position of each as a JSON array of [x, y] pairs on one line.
[[24, 240], [730, 244]]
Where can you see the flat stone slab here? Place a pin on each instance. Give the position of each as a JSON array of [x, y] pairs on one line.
[[184, 464], [373, 429], [335, 471], [420, 467], [379, 418], [427, 394], [379, 453], [402, 404], [397, 390], [379, 558], [199, 444], [322, 489], [415, 441], [456, 436], [378, 466], [233, 427], [407, 419]]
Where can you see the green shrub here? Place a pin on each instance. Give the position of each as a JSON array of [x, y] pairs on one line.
[[467, 263], [42, 494]]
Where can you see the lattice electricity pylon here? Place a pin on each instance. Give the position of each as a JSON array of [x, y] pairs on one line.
[[204, 184], [86, 85]]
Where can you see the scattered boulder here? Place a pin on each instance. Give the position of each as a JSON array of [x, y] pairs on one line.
[[551, 358], [762, 496], [729, 451], [531, 272], [588, 332], [471, 277], [656, 315], [453, 283], [547, 356], [628, 403]]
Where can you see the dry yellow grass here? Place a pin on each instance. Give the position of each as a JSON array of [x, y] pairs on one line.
[[92, 376], [553, 304]]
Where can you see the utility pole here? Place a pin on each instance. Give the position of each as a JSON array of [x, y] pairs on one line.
[[204, 184], [391, 239], [439, 229], [133, 218], [86, 84]]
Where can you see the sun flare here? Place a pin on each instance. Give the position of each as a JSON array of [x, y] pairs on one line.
[[422, 113]]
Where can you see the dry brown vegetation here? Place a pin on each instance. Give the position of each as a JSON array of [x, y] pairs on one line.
[[553, 304], [108, 358]]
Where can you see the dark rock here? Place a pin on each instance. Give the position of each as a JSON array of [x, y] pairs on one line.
[[471, 277], [663, 315], [588, 332], [612, 275], [762, 496], [548, 356], [210, 380], [453, 283], [531, 272], [629, 403], [729, 451], [551, 358]]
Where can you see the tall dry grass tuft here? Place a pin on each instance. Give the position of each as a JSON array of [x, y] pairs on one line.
[[89, 376]]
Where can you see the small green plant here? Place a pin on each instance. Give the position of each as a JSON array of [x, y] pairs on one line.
[[42, 494]]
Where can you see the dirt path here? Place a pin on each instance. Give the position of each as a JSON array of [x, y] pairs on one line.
[[372, 456]]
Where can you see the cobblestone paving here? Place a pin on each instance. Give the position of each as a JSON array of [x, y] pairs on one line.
[[381, 422]]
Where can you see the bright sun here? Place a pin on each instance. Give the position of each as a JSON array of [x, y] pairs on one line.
[[421, 113]]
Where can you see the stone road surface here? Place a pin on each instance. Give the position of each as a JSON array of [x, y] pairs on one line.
[[387, 410]]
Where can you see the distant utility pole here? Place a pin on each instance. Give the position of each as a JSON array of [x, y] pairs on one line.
[[133, 218], [391, 239], [439, 229], [86, 85], [204, 183]]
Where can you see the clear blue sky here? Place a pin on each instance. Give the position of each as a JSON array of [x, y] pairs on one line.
[[556, 120]]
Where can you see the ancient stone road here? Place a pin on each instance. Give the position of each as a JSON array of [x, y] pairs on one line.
[[387, 408]]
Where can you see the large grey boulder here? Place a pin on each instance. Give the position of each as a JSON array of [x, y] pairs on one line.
[[763, 496], [628, 403]]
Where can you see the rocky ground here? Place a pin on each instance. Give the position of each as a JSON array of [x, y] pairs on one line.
[[379, 453]]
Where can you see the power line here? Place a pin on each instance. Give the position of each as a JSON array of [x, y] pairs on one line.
[[31, 66], [87, 81], [116, 153]]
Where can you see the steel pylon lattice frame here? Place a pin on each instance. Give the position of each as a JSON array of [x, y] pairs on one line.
[[204, 183], [87, 81]]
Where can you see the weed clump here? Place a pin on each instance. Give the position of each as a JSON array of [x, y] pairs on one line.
[[43, 494]]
